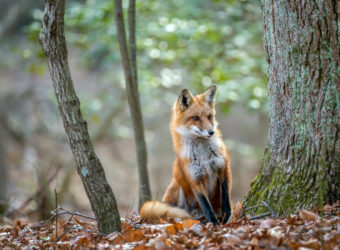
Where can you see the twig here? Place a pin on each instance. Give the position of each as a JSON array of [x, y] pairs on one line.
[[270, 209], [86, 230], [249, 208], [264, 204], [78, 228], [62, 235], [55, 213], [260, 216], [56, 218]]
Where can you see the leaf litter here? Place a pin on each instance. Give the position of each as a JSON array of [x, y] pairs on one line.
[[308, 229]]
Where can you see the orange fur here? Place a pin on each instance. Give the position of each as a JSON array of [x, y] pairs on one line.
[[154, 210], [201, 164]]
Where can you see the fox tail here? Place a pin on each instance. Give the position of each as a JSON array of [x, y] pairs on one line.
[[152, 211]]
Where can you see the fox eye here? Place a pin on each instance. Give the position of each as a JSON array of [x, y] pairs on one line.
[[195, 118], [210, 117]]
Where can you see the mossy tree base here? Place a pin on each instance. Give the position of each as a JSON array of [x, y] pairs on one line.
[[301, 166]]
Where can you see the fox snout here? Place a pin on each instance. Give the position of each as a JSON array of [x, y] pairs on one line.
[[208, 133], [203, 132]]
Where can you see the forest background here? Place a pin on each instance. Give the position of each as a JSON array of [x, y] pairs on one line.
[[191, 44]]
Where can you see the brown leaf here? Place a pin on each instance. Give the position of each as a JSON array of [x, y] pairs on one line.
[[307, 216], [254, 241], [79, 222], [135, 235], [232, 239], [168, 243], [171, 229], [311, 243], [327, 209], [158, 244], [291, 220], [179, 226], [60, 230], [117, 239], [126, 227], [268, 223], [188, 223], [237, 210], [276, 232], [142, 247]]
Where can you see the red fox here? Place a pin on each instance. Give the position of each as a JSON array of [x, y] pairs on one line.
[[201, 182]]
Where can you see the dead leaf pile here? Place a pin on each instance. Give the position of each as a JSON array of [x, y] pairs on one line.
[[305, 230]]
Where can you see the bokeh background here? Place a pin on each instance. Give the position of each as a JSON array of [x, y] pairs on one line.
[[181, 44]]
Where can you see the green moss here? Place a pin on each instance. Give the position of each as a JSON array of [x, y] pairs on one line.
[[286, 192]]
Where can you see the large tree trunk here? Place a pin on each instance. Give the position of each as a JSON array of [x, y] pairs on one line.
[[90, 170], [302, 161], [130, 72]]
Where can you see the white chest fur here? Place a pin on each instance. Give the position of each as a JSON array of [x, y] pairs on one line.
[[205, 157]]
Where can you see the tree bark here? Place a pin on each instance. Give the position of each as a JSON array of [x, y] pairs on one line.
[[130, 71], [3, 176], [90, 170], [301, 165]]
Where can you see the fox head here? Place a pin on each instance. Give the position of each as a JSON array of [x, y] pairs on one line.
[[194, 116]]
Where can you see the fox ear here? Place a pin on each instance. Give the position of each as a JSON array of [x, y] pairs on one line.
[[209, 96], [185, 99]]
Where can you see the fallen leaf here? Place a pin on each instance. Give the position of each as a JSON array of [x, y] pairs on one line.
[[179, 226], [134, 235], [268, 223], [158, 244], [188, 223], [232, 239], [171, 229], [276, 232], [254, 241], [307, 216], [237, 211], [79, 222], [197, 229], [59, 231]]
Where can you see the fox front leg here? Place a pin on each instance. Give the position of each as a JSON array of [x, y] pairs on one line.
[[204, 202], [226, 210]]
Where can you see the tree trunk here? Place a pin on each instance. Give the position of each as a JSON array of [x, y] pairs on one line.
[[90, 170], [301, 165], [130, 71], [3, 175]]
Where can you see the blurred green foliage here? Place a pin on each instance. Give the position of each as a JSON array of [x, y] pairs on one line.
[[190, 44]]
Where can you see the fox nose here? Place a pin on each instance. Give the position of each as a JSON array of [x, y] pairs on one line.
[[211, 132]]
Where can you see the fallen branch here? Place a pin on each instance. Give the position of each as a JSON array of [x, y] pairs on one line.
[[270, 209], [264, 204], [260, 216], [64, 211]]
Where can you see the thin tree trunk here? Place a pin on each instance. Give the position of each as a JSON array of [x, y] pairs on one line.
[[90, 170], [3, 176], [301, 166], [133, 99], [132, 40]]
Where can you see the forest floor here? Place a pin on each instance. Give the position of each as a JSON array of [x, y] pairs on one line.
[[313, 229]]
